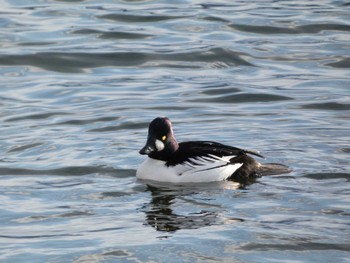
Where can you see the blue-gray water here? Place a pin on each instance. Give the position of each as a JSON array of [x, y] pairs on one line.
[[81, 80]]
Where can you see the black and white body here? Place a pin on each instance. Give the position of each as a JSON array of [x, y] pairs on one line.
[[197, 161]]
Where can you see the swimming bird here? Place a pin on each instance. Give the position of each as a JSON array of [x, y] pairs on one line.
[[197, 161]]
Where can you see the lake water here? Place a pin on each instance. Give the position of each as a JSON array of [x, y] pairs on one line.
[[81, 80]]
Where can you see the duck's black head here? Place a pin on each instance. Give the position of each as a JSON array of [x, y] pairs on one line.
[[160, 141]]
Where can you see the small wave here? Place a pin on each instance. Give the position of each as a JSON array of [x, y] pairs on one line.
[[222, 56], [74, 62], [244, 97], [303, 29], [24, 147], [138, 18], [123, 126], [326, 176], [327, 106], [87, 121], [36, 116], [37, 218], [341, 63], [220, 91], [297, 246], [69, 171], [39, 236], [111, 34], [345, 150], [77, 62]]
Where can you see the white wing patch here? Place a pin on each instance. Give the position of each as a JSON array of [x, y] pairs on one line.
[[201, 169], [206, 169], [204, 163]]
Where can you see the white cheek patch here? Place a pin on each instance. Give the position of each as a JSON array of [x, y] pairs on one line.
[[159, 145]]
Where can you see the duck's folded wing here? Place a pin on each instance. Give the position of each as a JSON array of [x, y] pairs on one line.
[[200, 152], [216, 148], [207, 168]]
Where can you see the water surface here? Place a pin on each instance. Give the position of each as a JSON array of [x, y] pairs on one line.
[[81, 80]]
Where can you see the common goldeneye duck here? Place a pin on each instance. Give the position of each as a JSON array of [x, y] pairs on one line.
[[197, 161]]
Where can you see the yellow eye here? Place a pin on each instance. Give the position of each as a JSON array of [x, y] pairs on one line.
[[164, 138]]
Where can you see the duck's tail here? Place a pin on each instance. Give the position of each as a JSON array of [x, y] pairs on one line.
[[273, 169]]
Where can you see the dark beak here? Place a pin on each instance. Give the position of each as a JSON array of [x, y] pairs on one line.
[[149, 147]]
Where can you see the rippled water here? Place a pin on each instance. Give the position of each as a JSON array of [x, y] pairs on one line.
[[81, 80]]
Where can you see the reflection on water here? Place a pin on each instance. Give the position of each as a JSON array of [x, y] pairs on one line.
[[80, 82], [161, 215]]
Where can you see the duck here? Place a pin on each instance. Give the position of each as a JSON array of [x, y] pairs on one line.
[[197, 161]]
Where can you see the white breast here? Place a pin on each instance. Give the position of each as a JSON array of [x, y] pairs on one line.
[[202, 169]]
